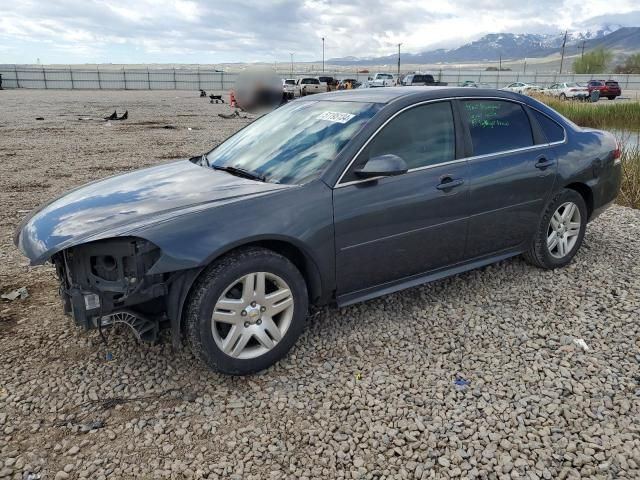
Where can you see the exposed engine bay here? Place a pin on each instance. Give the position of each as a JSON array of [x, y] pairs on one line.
[[105, 282]]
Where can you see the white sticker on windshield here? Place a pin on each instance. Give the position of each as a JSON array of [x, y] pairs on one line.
[[337, 117]]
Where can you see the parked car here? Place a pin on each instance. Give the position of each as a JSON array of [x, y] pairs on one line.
[[332, 200], [329, 83], [308, 86], [289, 87], [566, 90], [524, 88], [382, 80], [348, 84], [421, 79], [474, 84], [607, 88]]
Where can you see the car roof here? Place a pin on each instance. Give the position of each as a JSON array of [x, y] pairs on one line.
[[390, 94]]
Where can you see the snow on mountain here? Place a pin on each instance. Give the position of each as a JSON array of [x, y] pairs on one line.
[[494, 45]]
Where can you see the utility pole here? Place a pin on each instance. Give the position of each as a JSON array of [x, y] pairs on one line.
[[525, 65], [500, 67], [399, 60], [322, 54], [564, 42], [291, 64], [583, 42]]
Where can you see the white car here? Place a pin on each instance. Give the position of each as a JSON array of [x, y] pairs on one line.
[[382, 80], [289, 87], [566, 90], [308, 86], [520, 87]]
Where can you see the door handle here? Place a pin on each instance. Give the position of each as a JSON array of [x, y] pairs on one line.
[[543, 163], [447, 183]]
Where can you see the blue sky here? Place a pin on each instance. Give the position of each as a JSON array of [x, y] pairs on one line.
[[197, 31]]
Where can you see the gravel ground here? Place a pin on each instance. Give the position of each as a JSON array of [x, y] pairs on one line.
[[368, 392]]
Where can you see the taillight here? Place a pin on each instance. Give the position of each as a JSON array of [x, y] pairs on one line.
[[573, 90], [617, 153]]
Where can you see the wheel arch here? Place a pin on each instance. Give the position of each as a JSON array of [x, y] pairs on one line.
[[180, 289], [586, 193]]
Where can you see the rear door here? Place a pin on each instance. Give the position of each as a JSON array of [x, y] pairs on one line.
[[511, 175], [393, 228]]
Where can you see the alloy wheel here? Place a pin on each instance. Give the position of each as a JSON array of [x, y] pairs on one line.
[[252, 315], [564, 230]]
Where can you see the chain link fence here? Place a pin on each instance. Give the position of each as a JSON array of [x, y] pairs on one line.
[[16, 76]]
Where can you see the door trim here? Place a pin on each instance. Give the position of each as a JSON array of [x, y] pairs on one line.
[[358, 296]]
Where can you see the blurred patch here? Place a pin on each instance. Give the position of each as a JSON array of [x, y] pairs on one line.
[[258, 92]]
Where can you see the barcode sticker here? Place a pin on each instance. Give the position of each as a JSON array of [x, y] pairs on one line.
[[336, 117]]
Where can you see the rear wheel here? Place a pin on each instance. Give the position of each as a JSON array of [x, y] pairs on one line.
[[246, 311], [560, 232], [611, 98]]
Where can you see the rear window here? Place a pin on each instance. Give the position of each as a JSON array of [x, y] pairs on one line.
[[290, 82], [612, 83], [309, 81], [497, 126], [422, 79], [595, 83], [551, 129]]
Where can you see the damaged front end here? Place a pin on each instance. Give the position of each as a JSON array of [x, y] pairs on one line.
[[106, 282]]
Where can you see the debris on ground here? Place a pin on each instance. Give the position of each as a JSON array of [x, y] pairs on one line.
[[20, 293], [461, 384], [229, 116], [579, 342], [202, 93], [216, 98], [93, 425], [39, 118], [114, 116]]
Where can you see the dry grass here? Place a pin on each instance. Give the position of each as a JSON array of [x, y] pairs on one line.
[[604, 114], [630, 189]]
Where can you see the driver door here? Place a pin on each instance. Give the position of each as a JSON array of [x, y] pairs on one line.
[[390, 229]]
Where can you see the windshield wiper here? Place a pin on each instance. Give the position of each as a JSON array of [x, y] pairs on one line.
[[240, 172]]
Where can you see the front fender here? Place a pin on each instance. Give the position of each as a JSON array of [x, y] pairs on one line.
[[301, 217]]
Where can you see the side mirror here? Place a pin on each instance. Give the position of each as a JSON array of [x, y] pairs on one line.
[[382, 166]]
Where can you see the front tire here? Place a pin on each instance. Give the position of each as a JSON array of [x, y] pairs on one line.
[[560, 231], [246, 311]]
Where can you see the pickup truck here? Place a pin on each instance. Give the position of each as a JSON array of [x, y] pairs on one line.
[[421, 79], [289, 87], [308, 86], [382, 80]]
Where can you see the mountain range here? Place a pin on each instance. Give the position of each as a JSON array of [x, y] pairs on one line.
[[514, 46]]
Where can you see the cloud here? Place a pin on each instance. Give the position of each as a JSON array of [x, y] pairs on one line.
[[200, 31]]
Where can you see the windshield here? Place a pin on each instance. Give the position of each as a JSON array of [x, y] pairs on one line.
[[294, 143], [384, 75]]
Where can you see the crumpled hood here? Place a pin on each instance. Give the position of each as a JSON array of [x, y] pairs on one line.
[[118, 204]]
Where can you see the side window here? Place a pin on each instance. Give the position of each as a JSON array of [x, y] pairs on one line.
[[497, 126], [551, 129], [421, 136]]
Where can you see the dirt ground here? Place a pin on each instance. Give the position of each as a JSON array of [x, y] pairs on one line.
[[368, 392]]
